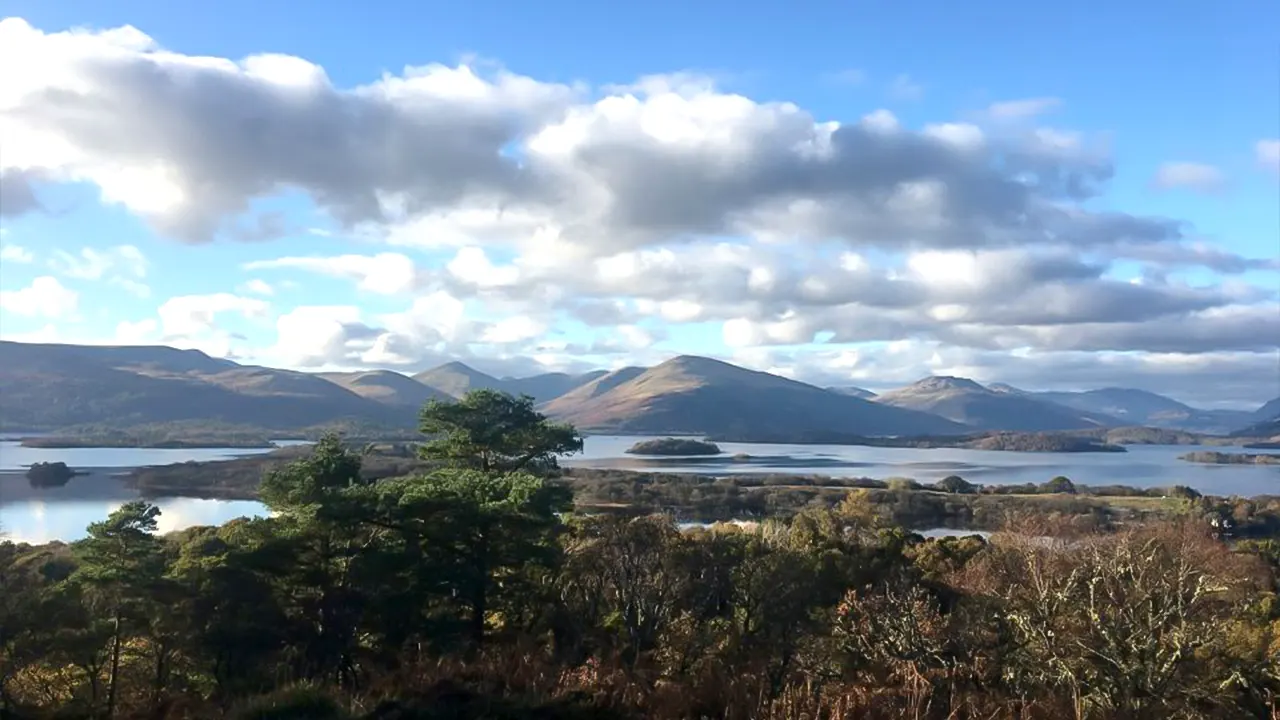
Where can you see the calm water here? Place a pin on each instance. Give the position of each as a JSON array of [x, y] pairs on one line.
[[39, 515]]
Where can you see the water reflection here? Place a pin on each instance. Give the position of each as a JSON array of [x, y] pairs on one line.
[[38, 514]]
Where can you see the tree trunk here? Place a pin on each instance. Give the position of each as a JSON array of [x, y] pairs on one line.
[[158, 682], [479, 594], [115, 667]]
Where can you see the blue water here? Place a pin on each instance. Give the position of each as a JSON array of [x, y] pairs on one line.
[[40, 515]]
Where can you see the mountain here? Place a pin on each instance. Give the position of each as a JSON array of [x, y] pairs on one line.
[[50, 386], [698, 395], [549, 385], [965, 401], [1263, 422], [588, 390], [852, 391], [456, 379], [1270, 410], [1139, 407], [387, 387]]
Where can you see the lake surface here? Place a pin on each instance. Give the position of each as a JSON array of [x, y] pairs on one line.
[[44, 514]]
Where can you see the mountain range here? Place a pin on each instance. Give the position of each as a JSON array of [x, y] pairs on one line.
[[51, 386]]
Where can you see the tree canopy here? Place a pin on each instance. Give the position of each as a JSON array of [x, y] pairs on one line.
[[469, 590], [493, 431]]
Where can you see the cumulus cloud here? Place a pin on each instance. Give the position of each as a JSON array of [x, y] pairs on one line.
[[45, 297], [17, 197], [625, 208], [10, 253], [1190, 175]]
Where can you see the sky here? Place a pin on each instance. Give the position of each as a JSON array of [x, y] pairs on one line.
[[1058, 197]]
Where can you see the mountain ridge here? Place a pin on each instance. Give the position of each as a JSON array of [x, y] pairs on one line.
[[965, 401], [697, 395], [48, 385]]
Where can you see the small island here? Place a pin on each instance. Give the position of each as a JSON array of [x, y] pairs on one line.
[[674, 446], [50, 474], [1220, 458]]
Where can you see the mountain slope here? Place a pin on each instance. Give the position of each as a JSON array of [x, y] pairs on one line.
[[386, 386], [570, 401], [852, 391], [691, 394], [965, 401], [456, 379], [1270, 410], [55, 386], [548, 386], [1140, 407]]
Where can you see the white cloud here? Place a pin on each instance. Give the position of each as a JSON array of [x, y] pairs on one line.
[[93, 264], [316, 335], [257, 286], [193, 314], [10, 253], [1022, 109], [383, 274], [515, 329], [123, 266], [1192, 176], [1268, 152], [137, 333], [44, 297], [477, 194]]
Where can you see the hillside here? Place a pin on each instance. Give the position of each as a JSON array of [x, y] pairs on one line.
[[1140, 407], [57, 386], [852, 391], [1270, 410], [549, 386], [965, 401], [387, 387], [696, 395], [456, 379], [585, 392]]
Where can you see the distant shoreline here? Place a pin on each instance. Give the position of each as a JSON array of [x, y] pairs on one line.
[[52, 442]]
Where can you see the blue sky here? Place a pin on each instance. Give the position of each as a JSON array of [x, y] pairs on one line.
[[1169, 108]]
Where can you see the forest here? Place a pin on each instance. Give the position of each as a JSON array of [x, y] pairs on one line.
[[474, 591]]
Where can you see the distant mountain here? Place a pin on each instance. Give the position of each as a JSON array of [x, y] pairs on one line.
[[964, 401], [1270, 410], [386, 387], [549, 386], [1263, 422], [48, 386], [457, 379], [1140, 407], [698, 395], [852, 391], [585, 392]]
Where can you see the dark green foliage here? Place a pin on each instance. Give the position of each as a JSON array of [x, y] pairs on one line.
[[467, 591], [49, 474], [674, 446], [493, 431], [1060, 484], [301, 702], [956, 484]]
